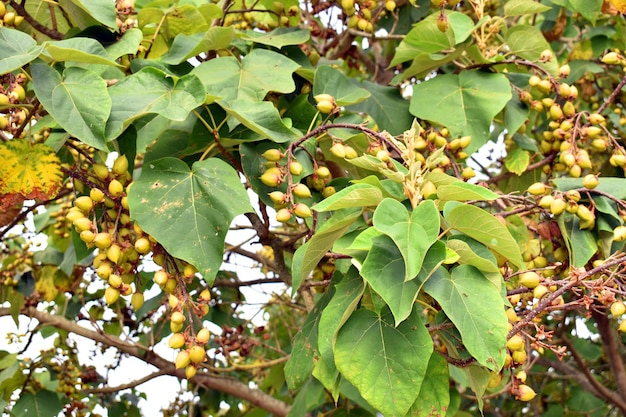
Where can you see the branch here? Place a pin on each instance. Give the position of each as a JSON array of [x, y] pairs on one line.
[[228, 386], [51, 33]]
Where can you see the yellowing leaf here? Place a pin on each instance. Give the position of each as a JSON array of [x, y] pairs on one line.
[[27, 172], [49, 280], [620, 5]]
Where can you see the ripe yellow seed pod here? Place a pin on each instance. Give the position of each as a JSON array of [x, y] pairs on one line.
[[182, 359], [525, 393], [177, 317], [120, 165], [176, 341]]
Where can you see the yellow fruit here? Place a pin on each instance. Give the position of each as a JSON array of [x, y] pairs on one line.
[[590, 181], [197, 354], [177, 317], [161, 277], [176, 327], [618, 308], [322, 172], [324, 97], [301, 191], [190, 371], [182, 359], [96, 195], [176, 341], [622, 326], [84, 203], [172, 300], [277, 197], [101, 171], [525, 393], [115, 281], [189, 271], [272, 155], [137, 300], [611, 58], [295, 168], [519, 356], [351, 152], [521, 375], [272, 177], [442, 22], [9, 18], [325, 107], [87, 236], [494, 380], [515, 343], [114, 253], [302, 210], [202, 337], [546, 201], [205, 295], [584, 214], [142, 245], [537, 188], [115, 188], [328, 191], [596, 119], [390, 5], [120, 165], [540, 291], [512, 315], [529, 279], [557, 206], [338, 150], [82, 224], [111, 295]]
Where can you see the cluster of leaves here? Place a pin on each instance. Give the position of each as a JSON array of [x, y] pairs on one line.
[[134, 133]]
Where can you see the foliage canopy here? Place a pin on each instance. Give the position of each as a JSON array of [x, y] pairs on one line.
[[412, 273]]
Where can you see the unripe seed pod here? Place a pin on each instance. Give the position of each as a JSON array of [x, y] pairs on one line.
[[271, 178], [546, 201], [177, 317], [190, 371], [87, 236], [519, 356], [277, 197], [82, 224], [203, 336], [590, 181], [114, 253], [101, 171], [205, 295], [197, 354], [350, 152], [96, 195], [324, 97], [322, 172], [142, 245], [295, 168], [618, 308], [111, 295], [529, 279], [325, 107], [120, 165], [584, 213], [189, 271], [515, 343], [338, 150], [172, 300], [301, 191], [283, 215], [328, 191], [115, 281], [540, 290], [115, 188], [569, 109], [176, 341], [611, 58], [272, 155], [137, 300], [161, 277], [537, 188], [596, 119], [302, 210], [84, 203], [619, 234], [442, 22]]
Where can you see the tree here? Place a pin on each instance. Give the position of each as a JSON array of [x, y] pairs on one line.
[[420, 277]]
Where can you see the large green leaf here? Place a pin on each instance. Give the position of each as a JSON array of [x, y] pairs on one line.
[[152, 91], [357, 195], [189, 211], [464, 191], [85, 50], [260, 72], [16, 49], [485, 228], [308, 255], [465, 103], [468, 256], [387, 107], [43, 403], [522, 7], [331, 81], [434, 396], [423, 39], [127, 44], [610, 185], [528, 42], [476, 308], [412, 233], [278, 38], [78, 101], [387, 364], [383, 269], [101, 10], [188, 46]]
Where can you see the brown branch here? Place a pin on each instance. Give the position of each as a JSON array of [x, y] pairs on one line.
[[228, 386], [118, 388], [51, 33], [545, 161], [617, 90], [569, 372], [614, 359]]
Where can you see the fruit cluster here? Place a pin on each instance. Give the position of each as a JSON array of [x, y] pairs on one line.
[[13, 106], [9, 18]]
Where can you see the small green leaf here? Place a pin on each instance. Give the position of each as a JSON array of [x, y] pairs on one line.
[[462, 26], [101, 10], [522, 7], [152, 91], [85, 50], [434, 397], [78, 100], [465, 103], [517, 161], [464, 191], [128, 44], [413, 234], [475, 307], [261, 117], [610, 185], [331, 81], [387, 107], [356, 195], [278, 38], [175, 204], [468, 256], [423, 39], [485, 228], [16, 49], [528, 42], [308, 255], [188, 46], [386, 364]]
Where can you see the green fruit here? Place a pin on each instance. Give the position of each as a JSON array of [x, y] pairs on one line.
[[137, 300], [295, 168], [272, 155], [537, 188], [176, 341], [338, 150]]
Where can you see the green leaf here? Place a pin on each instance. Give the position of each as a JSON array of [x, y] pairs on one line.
[[331, 81], [522, 7], [590, 9], [372, 163], [188, 46], [261, 117], [152, 91], [464, 191], [278, 38], [356, 195], [386, 364], [175, 205], [308, 255], [475, 307], [468, 256], [462, 26], [43, 403], [478, 381], [85, 50], [101, 10], [413, 234], [387, 107], [516, 114], [17, 301], [610, 185], [16, 49], [580, 243], [383, 269], [424, 38], [465, 103], [78, 101], [528, 42], [485, 228], [434, 396], [260, 72], [128, 44], [310, 396], [517, 161]]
